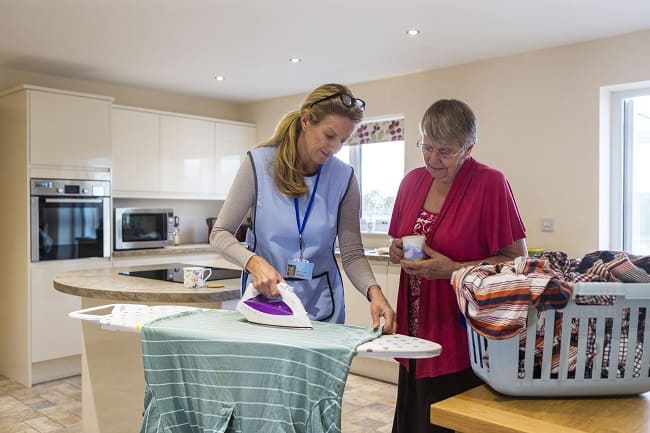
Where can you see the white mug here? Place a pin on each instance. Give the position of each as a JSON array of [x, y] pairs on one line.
[[413, 247], [194, 277]]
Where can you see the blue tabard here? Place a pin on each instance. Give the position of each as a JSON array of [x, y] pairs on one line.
[[274, 233]]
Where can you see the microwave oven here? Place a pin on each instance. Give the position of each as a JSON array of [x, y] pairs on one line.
[[139, 228]]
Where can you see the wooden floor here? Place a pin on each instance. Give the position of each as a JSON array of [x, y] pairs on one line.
[[55, 407]]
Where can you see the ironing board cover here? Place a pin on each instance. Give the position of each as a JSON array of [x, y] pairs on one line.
[[214, 371]]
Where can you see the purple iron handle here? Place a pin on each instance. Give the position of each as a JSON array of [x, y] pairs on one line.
[[269, 306]]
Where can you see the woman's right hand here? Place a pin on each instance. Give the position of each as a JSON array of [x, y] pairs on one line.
[[396, 250], [265, 277]]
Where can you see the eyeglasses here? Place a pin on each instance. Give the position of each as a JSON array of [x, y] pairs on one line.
[[441, 152], [347, 100]]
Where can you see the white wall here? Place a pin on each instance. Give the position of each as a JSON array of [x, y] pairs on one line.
[[538, 118]]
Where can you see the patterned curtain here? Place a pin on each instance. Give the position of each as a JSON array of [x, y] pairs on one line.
[[377, 132]]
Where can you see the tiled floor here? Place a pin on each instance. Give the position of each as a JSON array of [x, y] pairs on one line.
[[55, 407], [52, 407]]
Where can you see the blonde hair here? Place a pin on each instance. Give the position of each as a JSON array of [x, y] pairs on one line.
[[287, 170]]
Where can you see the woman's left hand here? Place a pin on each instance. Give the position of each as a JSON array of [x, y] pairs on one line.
[[437, 266], [380, 308]]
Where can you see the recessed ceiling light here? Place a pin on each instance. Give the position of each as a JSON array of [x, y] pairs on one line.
[[295, 60], [219, 78], [412, 32]]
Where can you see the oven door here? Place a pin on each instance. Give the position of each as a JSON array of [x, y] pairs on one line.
[[69, 227]]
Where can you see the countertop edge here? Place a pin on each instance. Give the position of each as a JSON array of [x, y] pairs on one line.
[[107, 283]]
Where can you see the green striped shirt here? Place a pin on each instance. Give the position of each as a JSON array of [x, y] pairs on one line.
[[213, 371]]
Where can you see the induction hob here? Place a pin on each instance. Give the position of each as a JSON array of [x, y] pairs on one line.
[[174, 273]]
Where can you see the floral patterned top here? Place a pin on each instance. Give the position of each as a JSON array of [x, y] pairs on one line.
[[423, 225]]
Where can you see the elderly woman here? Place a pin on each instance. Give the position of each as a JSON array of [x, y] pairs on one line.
[[301, 199], [468, 215]]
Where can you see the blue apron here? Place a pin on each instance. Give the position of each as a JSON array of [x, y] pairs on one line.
[[275, 233]]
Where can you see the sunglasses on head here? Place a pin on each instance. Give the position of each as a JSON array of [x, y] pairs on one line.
[[347, 100]]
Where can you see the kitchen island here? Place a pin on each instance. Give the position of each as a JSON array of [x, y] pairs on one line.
[[112, 371]]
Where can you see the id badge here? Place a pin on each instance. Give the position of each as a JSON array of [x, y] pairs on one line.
[[298, 268]]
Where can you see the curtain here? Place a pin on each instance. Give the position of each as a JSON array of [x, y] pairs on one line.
[[377, 132]]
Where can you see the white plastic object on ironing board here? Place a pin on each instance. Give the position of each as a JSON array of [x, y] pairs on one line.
[[127, 317], [287, 312], [399, 346]]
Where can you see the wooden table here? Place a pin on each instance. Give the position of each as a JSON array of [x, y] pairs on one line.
[[482, 410]]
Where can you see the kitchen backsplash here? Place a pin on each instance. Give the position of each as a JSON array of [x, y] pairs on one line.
[[192, 213]]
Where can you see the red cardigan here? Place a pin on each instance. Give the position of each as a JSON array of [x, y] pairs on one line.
[[478, 218]]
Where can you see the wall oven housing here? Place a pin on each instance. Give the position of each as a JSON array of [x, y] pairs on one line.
[[70, 219]]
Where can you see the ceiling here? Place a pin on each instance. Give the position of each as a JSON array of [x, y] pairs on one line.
[[180, 46]]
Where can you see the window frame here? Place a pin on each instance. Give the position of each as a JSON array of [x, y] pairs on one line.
[[620, 160], [356, 160]]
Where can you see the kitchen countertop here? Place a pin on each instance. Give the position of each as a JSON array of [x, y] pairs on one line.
[[483, 410], [109, 284]]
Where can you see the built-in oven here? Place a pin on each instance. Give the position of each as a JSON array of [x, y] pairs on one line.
[[70, 219]]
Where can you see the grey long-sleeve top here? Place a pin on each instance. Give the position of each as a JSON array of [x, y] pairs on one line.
[[241, 200]]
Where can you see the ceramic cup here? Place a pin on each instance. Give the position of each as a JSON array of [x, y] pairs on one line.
[[413, 247], [195, 277]]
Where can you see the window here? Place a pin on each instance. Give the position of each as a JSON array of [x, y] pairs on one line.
[[630, 173], [376, 151]]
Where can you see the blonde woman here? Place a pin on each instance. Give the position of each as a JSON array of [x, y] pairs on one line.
[[301, 199]]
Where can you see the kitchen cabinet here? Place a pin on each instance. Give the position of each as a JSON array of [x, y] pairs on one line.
[[187, 156], [357, 313], [232, 143], [54, 336], [68, 130], [159, 154], [55, 134], [135, 151]]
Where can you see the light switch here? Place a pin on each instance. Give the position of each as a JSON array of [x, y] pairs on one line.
[[548, 224]]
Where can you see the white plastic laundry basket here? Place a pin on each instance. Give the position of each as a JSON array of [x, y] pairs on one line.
[[584, 335]]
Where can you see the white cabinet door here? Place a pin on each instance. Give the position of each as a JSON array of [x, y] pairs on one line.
[[232, 142], [54, 334], [392, 284], [135, 152], [187, 156], [357, 307], [69, 130]]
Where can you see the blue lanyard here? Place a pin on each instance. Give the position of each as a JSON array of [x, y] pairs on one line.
[[301, 227]]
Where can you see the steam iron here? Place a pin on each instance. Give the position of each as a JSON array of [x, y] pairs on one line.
[[287, 312]]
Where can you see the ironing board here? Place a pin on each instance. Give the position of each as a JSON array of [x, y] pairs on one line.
[[212, 369], [131, 317]]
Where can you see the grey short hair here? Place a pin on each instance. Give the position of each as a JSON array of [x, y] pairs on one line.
[[450, 121]]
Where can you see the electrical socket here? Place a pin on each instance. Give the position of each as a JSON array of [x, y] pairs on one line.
[[548, 224]]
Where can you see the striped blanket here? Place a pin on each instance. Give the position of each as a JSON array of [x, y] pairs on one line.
[[495, 298]]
